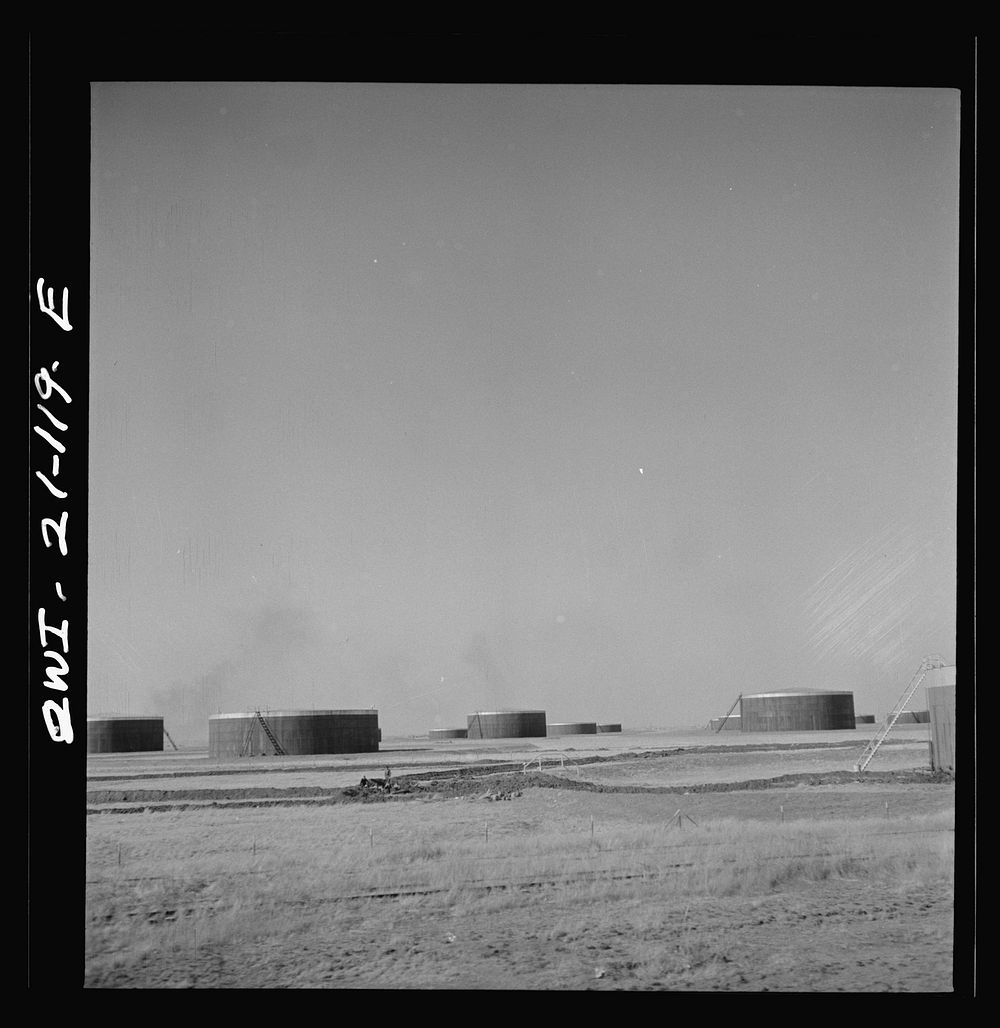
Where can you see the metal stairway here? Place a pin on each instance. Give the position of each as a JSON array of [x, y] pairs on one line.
[[728, 712], [171, 741], [278, 749], [927, 664]]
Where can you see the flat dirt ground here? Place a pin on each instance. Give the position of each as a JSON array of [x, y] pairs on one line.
[[681, 862]]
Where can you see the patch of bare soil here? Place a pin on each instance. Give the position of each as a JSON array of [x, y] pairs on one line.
[[828, 937]]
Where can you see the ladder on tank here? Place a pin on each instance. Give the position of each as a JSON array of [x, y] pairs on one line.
[[728, 712], [278, 748], [927, 664], [248, 738]]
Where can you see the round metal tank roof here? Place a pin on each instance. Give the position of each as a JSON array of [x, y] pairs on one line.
[[797, 692], [294, 713], [494, 713], [124, 717], [941, 676]]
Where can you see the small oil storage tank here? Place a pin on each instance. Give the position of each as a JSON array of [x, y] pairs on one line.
[[864, 719], [447, 733], [731, 723], [941, 706], [572, 728], [797, 710], [507, 724], [292, 732], [601, 729], [113, 733]]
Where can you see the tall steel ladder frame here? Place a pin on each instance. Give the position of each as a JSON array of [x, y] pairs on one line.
[[278, 748], [929, 663], [728, 712]]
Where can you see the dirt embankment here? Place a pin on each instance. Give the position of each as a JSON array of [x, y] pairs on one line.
[[459, 785], [470, 782]]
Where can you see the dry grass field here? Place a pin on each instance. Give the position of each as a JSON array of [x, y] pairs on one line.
[[694, 864]]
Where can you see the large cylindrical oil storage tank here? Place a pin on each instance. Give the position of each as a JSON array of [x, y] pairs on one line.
[[572, 728], [507, 724], [797, 710], [447, 733], [137, 733], [731, 723], [601, 729], [912, 717], [253, 734], [941, 706], [864, 719]]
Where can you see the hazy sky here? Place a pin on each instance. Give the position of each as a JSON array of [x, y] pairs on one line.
[[615, 401]]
